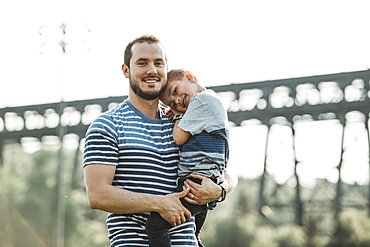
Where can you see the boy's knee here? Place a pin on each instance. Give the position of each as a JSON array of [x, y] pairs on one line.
[[155, 223]]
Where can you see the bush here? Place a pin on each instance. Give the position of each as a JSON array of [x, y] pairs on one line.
[[352, 230]]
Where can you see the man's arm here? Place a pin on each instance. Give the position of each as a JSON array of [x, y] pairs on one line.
[[208, 191], [104, 196]]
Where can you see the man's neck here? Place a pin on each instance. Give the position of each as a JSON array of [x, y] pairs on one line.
[[148, 108]]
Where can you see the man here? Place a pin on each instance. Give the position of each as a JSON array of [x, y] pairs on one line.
[[130, 158]]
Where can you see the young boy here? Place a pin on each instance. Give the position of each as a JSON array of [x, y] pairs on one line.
[[200, 128]]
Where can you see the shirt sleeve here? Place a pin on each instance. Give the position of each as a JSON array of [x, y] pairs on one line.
[[194, 118], [205, 113], [101, 143]]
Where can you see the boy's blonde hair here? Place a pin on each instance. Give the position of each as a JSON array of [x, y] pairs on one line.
[[177, 74]]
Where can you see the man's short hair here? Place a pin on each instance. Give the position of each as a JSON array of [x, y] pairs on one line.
[[145, 38]]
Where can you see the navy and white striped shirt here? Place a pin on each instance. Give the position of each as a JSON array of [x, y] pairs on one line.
[[146, 159]]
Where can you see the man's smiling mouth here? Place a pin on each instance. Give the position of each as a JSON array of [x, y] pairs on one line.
[[151, 79]]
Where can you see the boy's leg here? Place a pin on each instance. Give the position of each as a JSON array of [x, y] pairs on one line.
[[157, 229], [199, 211], [199, 222]]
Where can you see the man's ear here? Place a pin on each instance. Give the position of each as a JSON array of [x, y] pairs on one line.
[[189, 76], [125, 70]]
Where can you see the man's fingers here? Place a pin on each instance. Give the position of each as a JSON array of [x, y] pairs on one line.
[[193, 188], [190, 184], [181, 219], [183, 193], [187, 215], [198, 176]]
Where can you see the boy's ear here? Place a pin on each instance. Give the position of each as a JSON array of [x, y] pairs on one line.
[[189, 76], [125, 70]]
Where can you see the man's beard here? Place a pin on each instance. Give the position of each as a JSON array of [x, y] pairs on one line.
[[145, 95]]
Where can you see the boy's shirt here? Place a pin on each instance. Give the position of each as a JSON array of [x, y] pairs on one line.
[[207, 150]]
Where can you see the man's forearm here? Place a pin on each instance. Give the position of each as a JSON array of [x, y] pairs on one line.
[[104, 196], [115, 200], [127, 202], [230, 182]]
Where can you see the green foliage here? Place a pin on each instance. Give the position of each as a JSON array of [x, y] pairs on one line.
[[27, 190], [28, 198], [352, 230], [236, 223], [290, 236], [17, 201], [281, 236]]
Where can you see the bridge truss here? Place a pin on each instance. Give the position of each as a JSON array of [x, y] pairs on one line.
[[341, 97]]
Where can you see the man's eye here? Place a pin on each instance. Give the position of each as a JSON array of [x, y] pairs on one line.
[[174, 92], [160, 64]]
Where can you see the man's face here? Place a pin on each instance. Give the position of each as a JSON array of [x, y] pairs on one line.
[[148, 70]]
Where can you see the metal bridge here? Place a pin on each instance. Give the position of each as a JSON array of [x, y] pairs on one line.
[[275, 102]]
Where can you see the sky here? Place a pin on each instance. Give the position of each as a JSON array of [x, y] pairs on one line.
[[221, 42]]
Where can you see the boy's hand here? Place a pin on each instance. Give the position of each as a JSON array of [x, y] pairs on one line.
[[170, 114]]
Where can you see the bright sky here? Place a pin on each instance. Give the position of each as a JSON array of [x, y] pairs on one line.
[[221, 42]]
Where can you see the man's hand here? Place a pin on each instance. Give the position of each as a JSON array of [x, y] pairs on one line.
[[172, 210], [203, 193]]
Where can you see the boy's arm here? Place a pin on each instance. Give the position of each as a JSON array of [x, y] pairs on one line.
[[180, 136], [103, 195]]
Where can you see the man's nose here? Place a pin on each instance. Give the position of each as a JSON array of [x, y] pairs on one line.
[[151, 70]]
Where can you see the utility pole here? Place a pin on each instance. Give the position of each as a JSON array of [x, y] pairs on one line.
[[59, 210]]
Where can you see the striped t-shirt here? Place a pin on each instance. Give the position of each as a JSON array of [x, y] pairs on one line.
[[146, 158]]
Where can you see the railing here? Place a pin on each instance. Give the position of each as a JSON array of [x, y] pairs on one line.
[[342, 97]]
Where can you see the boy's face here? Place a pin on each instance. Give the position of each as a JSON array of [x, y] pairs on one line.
[[178, 94]]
